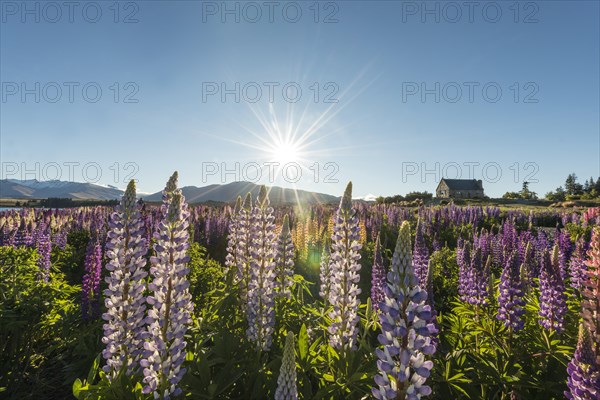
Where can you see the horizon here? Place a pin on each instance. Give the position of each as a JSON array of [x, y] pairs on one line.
[[391, 96]]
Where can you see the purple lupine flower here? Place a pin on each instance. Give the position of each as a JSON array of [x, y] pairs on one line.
[[59, 239], [527, 267], [22, 237], [432, 322], [44, 249], [261, 288], [124, 297], [553, 303], [345, 268], [90, 286], [284, 260], [577, 267], [233, 250], [325, 274], [420, 255], [244, 240], [563, 242], [171, 301], [583, 370], [286, 382], [591, 293], [464, 261], [510, 299], [378, 280], [405, 333]]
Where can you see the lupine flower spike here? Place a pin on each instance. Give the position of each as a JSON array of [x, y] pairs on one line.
[[591, 293], [285, 260], [405, 333], [325, 274], [345, 268], [164, 351], [286, 383], [261, 288], [583, 370], [378, 280], [231, 260], [125, 302]]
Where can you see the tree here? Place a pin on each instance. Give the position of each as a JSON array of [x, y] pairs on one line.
[[572, 187], [558, 195]]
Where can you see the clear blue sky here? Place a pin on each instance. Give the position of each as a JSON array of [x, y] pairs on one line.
[[374, 57]]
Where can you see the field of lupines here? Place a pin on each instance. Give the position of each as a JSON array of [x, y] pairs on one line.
[[316, 302]]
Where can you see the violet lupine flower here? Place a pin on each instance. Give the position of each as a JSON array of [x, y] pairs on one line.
[[464, 261], [243, 256], [405, 333], [378, 280], [22, 237], [553, 303], [420, 255], [124, 297], [286, 382], [170, 314], [577, 267], [325, 274], [345, 268], [261, 288], [564, 245], [510, 299], [44, 249], [284, 260], [231, 261], [527, 267], [583, 370], [591, 293], [90, 286]]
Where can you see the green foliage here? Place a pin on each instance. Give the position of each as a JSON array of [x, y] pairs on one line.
[[205, 274], [38, 328]]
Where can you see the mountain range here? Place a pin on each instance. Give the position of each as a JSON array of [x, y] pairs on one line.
[[33, 189]]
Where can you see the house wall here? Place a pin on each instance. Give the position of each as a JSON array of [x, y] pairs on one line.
[[442, 191], [466, 194]]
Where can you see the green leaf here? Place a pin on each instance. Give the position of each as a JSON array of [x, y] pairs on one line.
[[328, 378], [303, 342], [94, 370], [77, 387]]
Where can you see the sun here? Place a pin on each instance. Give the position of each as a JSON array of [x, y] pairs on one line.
[[285, 152]]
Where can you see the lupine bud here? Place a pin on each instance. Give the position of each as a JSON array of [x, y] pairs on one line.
[[124, 297], [286, 382], [405, 333], [285, 260], [261, 288], [345, 268], [170, 314]]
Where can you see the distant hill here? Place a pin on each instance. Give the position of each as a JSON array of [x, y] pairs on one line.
[[34, 189], [229, 192]]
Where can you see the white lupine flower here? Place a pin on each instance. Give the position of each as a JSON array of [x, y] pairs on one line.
[[125, 303]]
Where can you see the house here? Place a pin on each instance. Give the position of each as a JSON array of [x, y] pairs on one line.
[[459, 189]]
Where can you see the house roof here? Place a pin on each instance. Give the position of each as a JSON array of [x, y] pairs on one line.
[[462, 184]]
